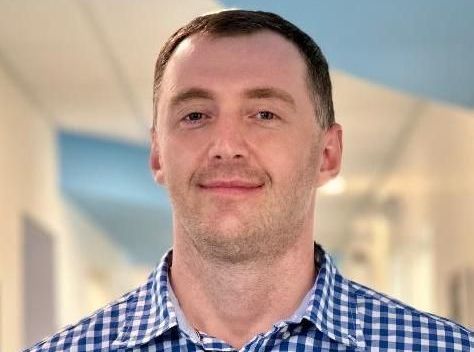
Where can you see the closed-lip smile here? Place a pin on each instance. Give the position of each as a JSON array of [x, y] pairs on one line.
[[231, 186]]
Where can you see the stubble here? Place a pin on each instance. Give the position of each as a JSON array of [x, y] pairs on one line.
[[254, 231]]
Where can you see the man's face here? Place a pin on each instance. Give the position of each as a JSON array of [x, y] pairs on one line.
[[237, 144]]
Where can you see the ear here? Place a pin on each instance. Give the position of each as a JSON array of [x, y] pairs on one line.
[[155, 163], [331, 154]]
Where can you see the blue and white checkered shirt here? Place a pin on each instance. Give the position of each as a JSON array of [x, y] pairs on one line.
[[337, 315]]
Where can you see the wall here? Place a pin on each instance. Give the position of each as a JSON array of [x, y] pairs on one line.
[[102, 280], [29, 185], [434, 181], [415, 232]]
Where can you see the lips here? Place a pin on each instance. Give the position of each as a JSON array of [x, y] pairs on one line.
[[231, 187], [230, 184]]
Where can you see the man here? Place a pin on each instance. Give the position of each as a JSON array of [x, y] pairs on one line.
[[243, 135]]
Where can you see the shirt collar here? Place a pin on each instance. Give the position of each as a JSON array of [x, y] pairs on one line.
[[150, 311], [331, 306]]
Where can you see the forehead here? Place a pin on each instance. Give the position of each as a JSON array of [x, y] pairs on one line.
[[262, 58]]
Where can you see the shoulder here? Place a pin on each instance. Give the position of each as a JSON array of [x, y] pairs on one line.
[[99, 329], [392, 324], [126, 320]]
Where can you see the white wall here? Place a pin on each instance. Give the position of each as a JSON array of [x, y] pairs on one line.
[[430, 190], [29, 185], [434, 180], [104, 270]]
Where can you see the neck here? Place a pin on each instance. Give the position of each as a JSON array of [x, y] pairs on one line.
[[235, 302]]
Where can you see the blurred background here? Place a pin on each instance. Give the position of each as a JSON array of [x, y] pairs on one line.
[[81, 221]]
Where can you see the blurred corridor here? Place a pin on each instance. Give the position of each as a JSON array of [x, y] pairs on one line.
[[82, 222]]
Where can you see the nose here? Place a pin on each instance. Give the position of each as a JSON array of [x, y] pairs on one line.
[[228, 140]]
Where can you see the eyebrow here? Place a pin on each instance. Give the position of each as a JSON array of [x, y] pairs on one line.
[[190, 94], [270, 93], [253, 93]]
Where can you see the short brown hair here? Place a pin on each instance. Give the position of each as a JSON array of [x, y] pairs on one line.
[[242, 22]]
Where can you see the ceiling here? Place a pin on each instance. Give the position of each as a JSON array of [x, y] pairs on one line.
[[424, 47], [86, 66]]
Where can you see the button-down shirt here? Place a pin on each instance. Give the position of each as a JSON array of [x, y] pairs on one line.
[[336, 315]]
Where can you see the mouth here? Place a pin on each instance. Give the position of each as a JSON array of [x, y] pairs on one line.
[[231, 187]]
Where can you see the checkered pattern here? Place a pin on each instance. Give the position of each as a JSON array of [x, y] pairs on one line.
[[340, 316]]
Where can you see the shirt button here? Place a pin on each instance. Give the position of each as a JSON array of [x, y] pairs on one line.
[[285, 335]]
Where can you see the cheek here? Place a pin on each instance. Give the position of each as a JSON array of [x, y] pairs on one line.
[[179, 160], [287, 152], [300, 164]]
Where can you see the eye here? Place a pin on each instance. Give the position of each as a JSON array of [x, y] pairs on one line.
[[193, 117], [265, 115]]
